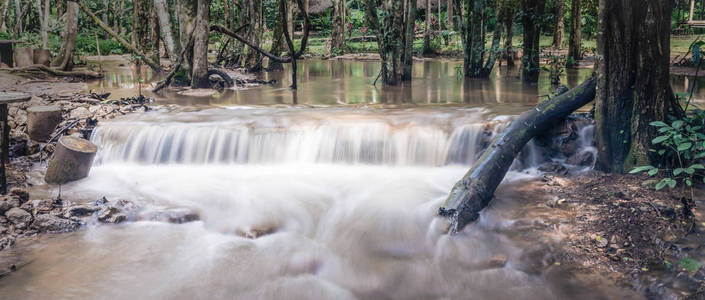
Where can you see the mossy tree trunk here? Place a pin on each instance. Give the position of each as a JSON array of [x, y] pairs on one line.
[[634, 81], [508, 12], [476, 189], [574, 52], [427, 50], [253, 13], [199, 73], [277, 39], [531, 22], [388, 32]]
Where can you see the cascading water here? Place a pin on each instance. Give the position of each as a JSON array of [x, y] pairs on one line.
[[349, 197]]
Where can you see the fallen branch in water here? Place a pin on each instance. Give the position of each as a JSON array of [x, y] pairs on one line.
[[476, 189]]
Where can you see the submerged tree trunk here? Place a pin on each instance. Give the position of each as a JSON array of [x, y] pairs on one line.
[[64, 59], [531, 21], [199, 74], [173, 47], [338, 34], [634, 81], [473, 32], [475, 190], [559, 33], [574, 52], [427, 30], [409, 40]]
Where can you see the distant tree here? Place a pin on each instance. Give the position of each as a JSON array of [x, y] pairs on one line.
[[532, 14], [574, 51], [559, 32], [64, 59]]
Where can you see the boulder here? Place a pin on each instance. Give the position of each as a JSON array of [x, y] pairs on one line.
[[581, 159], [176, 216], [19, 217], [111, 214], [54, 224], [82, 210]]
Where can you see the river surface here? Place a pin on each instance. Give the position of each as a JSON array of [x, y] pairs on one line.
[[342, 191]]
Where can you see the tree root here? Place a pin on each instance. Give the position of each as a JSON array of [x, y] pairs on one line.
[[43, 71]]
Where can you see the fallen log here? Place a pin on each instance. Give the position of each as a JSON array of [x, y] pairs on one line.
[[41, 70], [475, 190]]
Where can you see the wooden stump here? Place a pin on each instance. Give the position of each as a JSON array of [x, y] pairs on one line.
[[41, 121], [72, 160], [42, 57], [24, 57]]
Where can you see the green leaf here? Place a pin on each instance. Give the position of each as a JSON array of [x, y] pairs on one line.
[[685, 146], [700, 155], [661, 184], [652, 172], [688, 182], [690, 171], [690, 264], [697, 166], [658, 124], [678, 171], [659, 139], [661, 152], [671, 183], [640, 169], [677, 124]]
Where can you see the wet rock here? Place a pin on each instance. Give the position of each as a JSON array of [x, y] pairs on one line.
[[553, 167], [176, 216], [256, 232], [53, 224], [21, 194], [111, 214], [38, 207], [498, 261], [6, 242], [80, 113], [19, 217], [81, 210], [581, 159]]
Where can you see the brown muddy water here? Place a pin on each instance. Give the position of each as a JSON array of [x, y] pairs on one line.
[[347, 189]]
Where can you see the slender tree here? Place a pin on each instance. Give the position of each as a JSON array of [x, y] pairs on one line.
[[633, 83], [475, 20], [427, 30], [408, 59], [508, 12], [574, 51], [388, 33], [172, 45], [3, 14], [531, 20], [199, 74]]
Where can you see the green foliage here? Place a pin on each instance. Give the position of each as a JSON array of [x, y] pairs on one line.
[[683, 143], [556, 67], [690, 264]]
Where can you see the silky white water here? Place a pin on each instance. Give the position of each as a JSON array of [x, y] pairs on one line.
[[349, 199]]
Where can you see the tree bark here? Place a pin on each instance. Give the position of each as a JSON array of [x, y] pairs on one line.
[[531, 21], [187, 23], [409, 40], [427, 30], [3, 15], [559, 34], [199, 75], [388, 33], [508, 19], [634, 81], [253, 32], [64, 59], [338, 33], [277, 40], [43, 13], [173, 47], [574, 43], [21, 12], [475, 190]]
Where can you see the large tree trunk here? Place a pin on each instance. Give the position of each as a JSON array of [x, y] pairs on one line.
[[388, 33], [187, 23], [277, 39], [338, 34], [409, 40], [173, 47], [199, 75], [64, 60], [253, 32], [531, 21], [476, 20], [574, 51], [559, 34], [634, 82], [475, 190], [427, 30]]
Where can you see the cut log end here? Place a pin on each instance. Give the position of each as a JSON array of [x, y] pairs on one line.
[[41, 121], [72, 160]]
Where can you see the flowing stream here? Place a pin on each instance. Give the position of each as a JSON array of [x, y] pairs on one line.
[[342, 200]]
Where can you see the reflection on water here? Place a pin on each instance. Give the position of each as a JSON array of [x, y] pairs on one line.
[[343, 82]]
